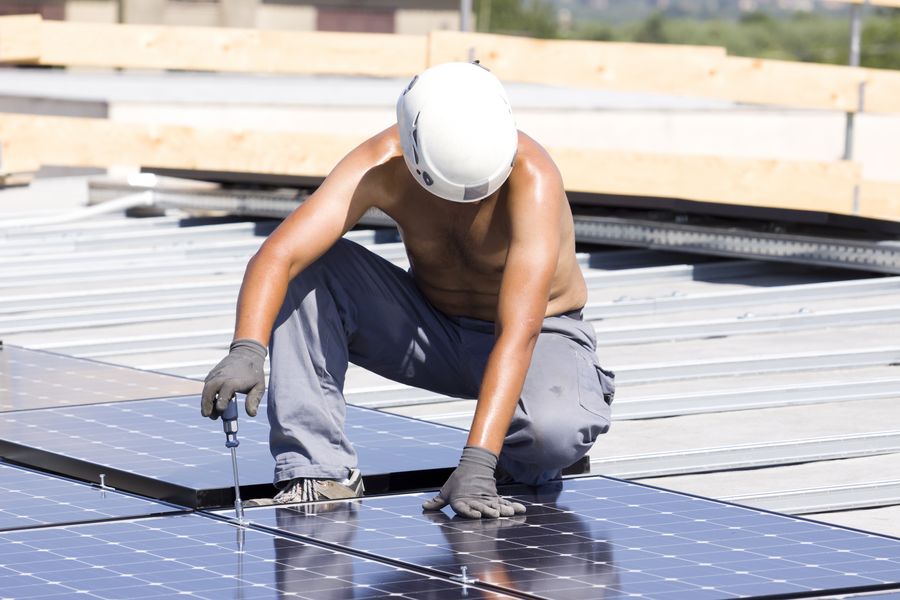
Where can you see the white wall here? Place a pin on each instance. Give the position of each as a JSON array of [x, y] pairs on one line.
[[423, 21], [278, 16]]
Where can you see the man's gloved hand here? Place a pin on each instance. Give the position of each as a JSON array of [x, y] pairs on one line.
[[471, 490], [241, 371]]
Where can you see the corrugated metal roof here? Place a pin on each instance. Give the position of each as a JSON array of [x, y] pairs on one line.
[[799, 414]]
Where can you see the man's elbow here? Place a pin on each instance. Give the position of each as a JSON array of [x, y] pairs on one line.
[[271, 256], [519, 339]]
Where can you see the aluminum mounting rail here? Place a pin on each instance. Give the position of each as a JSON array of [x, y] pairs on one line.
[[876, 256], [726, 458], [825, 499]]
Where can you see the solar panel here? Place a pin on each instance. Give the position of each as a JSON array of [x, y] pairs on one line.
[[34, 379], [197, 557], [31, 499], [164, 449], [599, 537]]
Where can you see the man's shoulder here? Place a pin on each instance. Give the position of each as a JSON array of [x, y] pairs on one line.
[[532, 161], [385, 143]]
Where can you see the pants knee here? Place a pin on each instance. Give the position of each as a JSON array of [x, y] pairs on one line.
[[547, 444], [559, 446]]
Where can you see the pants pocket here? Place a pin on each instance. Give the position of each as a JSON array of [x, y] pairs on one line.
[[607, 383], [596, 387]]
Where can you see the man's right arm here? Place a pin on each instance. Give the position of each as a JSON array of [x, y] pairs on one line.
[[350, 189]]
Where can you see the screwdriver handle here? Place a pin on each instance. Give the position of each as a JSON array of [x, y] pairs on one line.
[[230, 424]]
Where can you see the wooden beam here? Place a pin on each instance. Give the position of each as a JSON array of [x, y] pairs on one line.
[[795, 185], [703, 71], [80, 142], [609, 65], [880, 200], [787, 184], [882, 90], [20, 39], [785, 83], [682, 70], [233, 50]]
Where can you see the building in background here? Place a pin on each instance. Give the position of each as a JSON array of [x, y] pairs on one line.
[[384, 16]]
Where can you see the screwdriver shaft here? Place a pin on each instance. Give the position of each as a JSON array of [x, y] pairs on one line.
[[238, 505]]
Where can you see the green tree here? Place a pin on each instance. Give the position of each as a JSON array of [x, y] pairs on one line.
[[534, 18], [805, 37], [652, 30], [881, 41]]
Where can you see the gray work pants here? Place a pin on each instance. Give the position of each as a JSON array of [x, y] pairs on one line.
[[354, 306]]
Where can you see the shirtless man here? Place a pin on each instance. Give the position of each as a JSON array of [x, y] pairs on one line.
[[490, 308]]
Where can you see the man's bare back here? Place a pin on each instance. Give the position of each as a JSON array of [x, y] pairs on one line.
[[458, 250]]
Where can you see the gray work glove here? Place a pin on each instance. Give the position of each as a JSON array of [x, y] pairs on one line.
[[471, 490], [242, 372]]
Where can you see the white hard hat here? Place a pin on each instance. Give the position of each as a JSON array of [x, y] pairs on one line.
[[457, 130]]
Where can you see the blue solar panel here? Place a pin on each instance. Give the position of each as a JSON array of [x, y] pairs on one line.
[[31, 499], [197, 557], [164, 449], [599, 537], [33, 379]]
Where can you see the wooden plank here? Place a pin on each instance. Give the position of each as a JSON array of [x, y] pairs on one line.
[[234, 50], [20, 39], [785, 83], [880, 200], [882, 91], [14, 161], [681, 70], [80, 142], [609, 65], [794, 185]]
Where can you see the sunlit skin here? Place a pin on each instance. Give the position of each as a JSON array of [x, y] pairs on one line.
[[509, 258]]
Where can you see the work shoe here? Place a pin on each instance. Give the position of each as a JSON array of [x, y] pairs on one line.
[[306, 489]]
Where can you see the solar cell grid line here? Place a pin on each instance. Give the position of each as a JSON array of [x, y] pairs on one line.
[[32, 499], [164, 449], [602, 537], [32, 379], [199, 557]]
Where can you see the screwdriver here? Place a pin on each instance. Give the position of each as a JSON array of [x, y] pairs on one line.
[[230, 425]]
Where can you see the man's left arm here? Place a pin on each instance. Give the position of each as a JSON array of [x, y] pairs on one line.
[[534, 212], [534, 216]]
